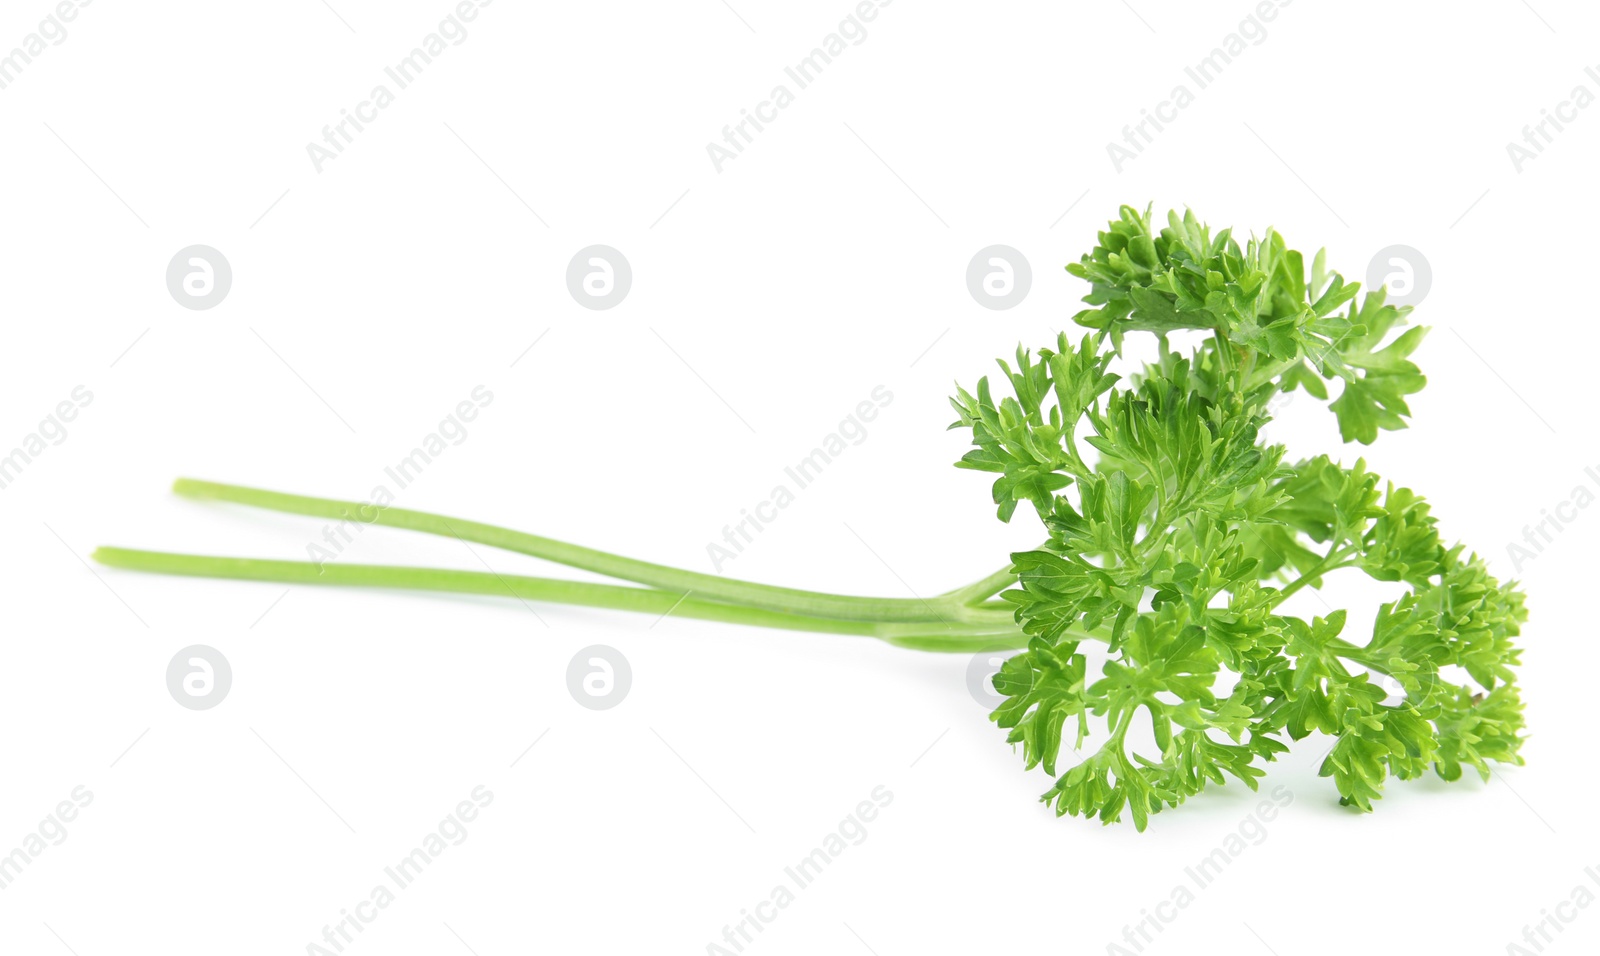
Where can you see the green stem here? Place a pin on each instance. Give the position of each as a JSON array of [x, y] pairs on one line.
[[708, 586], [1329, 563], [1270, 372], [920, 635], [977, 593]]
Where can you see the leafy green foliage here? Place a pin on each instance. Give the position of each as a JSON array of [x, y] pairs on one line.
[[1272, 323], [1175, 534]]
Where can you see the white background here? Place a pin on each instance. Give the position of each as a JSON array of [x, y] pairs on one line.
[[826, 260]]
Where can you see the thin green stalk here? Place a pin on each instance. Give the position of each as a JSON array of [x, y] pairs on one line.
[[977, 593], [1270, 372], [1331, 562], [922, 635], [678, 581]]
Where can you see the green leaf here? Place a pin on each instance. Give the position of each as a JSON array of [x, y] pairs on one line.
[[1168, 515]]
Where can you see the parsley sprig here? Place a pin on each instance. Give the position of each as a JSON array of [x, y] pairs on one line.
[[1175, 538], [1176, 535]]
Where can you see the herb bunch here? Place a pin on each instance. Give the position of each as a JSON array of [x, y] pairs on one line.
[[1175, 536]]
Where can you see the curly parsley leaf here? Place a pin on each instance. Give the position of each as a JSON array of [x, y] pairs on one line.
[[1175, 534]]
